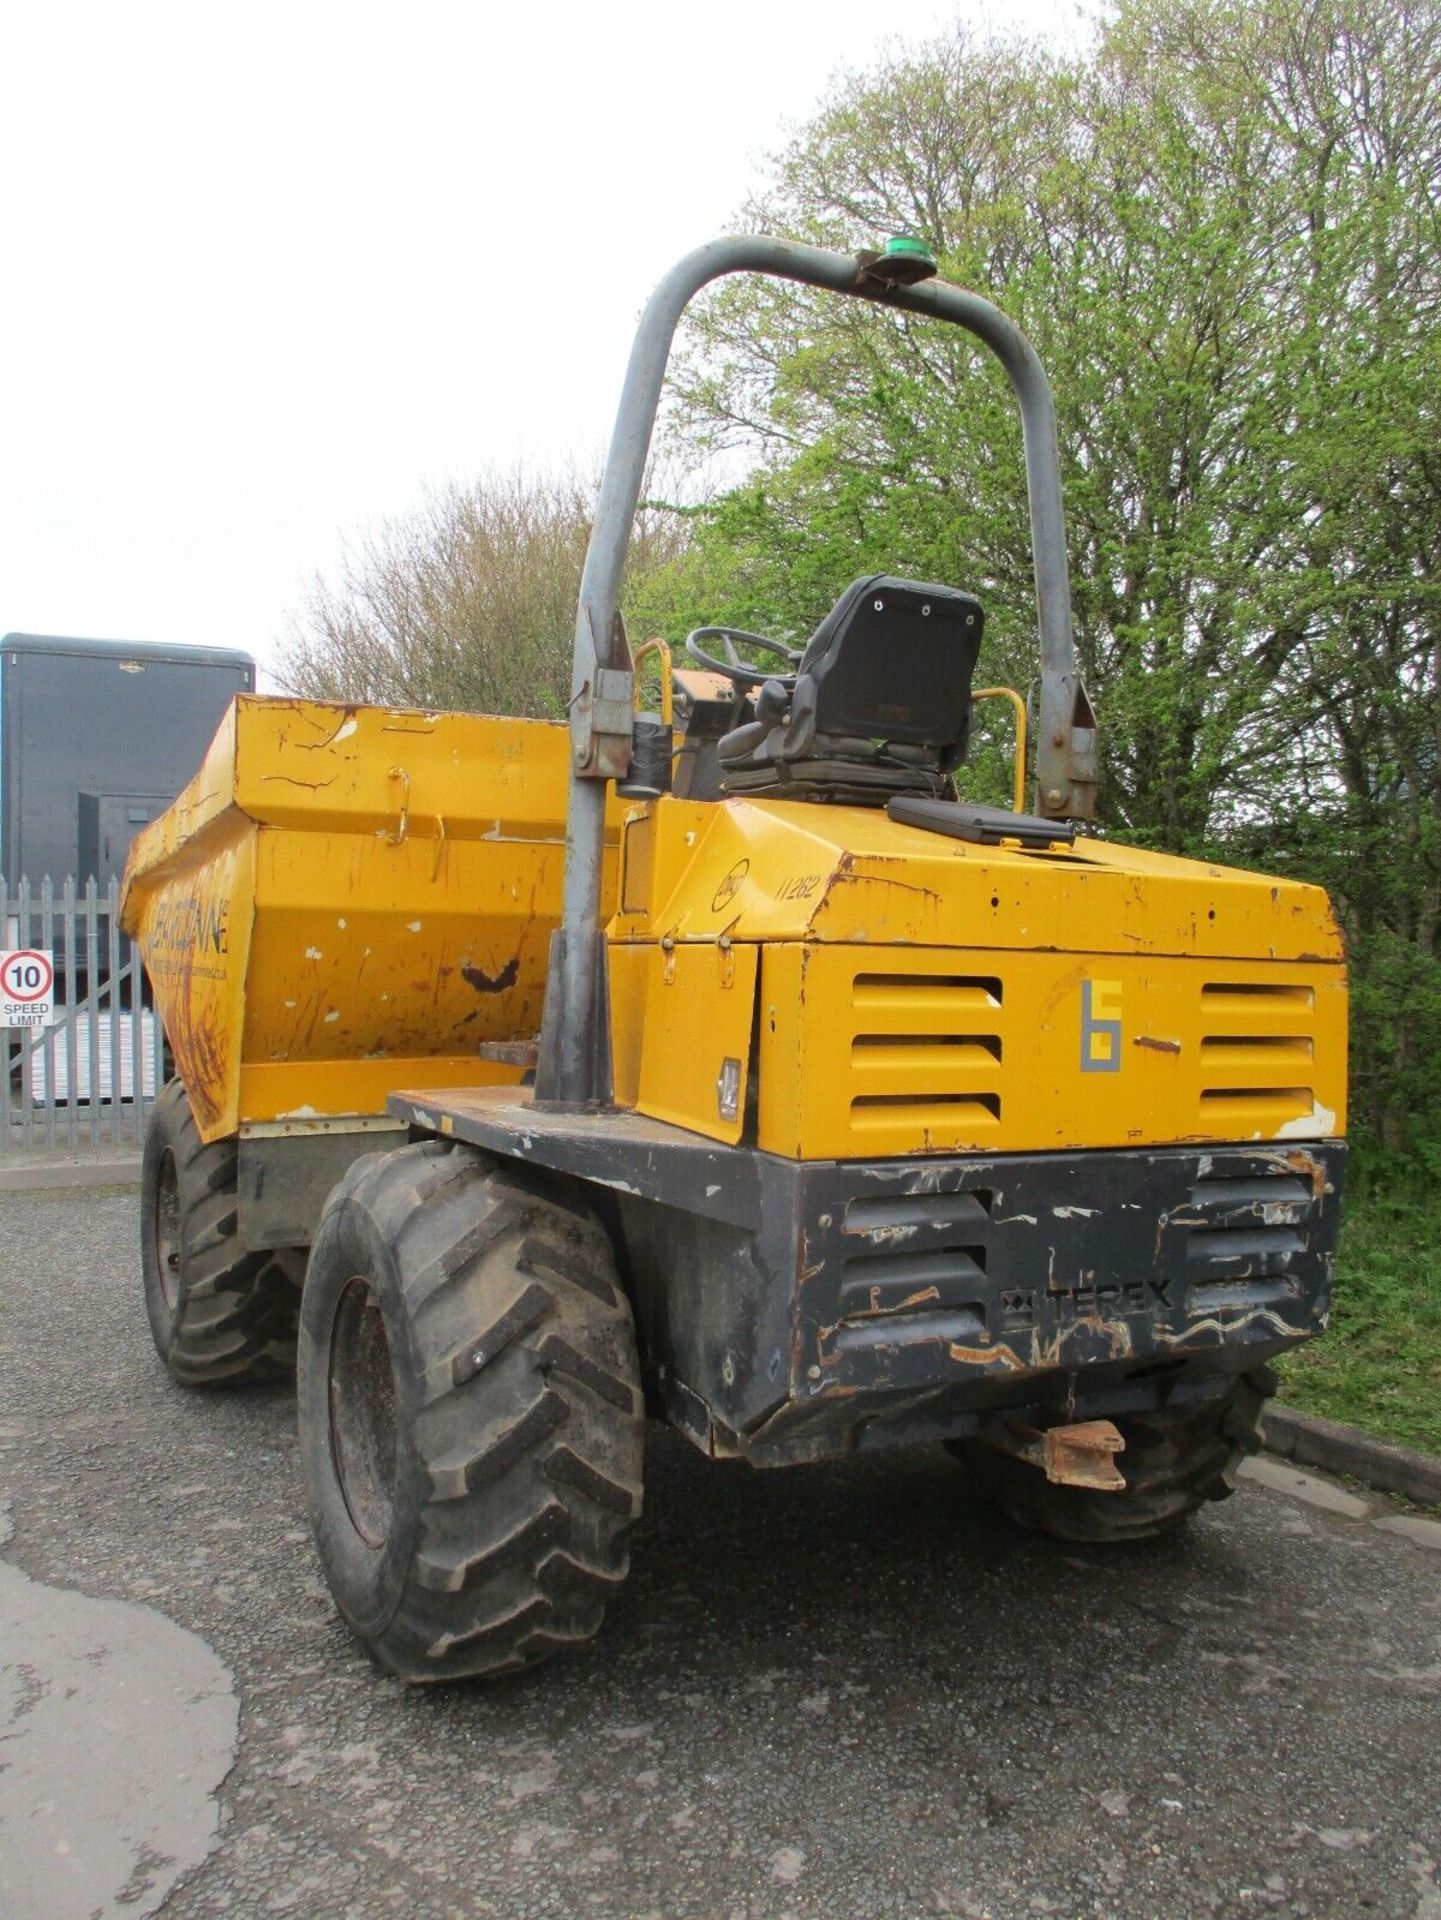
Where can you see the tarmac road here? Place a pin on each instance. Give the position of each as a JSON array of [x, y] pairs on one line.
[[832, 1691]]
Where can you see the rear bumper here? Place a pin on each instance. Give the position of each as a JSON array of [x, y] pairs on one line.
[[895, 1300], [792, 1309]]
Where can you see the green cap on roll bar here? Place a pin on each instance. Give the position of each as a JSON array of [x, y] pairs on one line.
[[905, 246], [901, 262]]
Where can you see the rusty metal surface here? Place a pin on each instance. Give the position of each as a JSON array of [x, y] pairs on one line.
[[1077, 1453], [926, 1296], [799, 1309], [1039, 1265]]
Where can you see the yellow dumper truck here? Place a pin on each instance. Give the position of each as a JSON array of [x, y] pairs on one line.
[[722, 1063]]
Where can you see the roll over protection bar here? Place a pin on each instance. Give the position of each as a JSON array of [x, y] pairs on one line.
[[573, 1068]]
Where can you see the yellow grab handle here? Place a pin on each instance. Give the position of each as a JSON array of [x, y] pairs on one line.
[[667, 686], [1018, 778]]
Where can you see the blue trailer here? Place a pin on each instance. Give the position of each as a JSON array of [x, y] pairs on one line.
[[96, 738]]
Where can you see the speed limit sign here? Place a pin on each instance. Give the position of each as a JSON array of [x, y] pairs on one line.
[[27, 987]]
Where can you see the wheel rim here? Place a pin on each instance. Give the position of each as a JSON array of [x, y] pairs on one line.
[[167, 1229], [362, 1411]]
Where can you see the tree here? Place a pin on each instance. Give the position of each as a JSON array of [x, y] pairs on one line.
[[468, 603]]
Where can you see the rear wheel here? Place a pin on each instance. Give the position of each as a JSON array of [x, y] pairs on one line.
[[219, 1315], [471, 1419], [1176, 1458]]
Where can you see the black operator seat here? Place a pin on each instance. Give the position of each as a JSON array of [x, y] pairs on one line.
[[881, 702]]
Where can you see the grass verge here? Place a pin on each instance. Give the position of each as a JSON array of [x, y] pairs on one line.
[[1379, 1366]]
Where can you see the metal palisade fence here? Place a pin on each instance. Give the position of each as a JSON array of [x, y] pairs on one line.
[[87, 1073]]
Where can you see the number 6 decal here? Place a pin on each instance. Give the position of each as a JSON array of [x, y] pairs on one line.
[[1100, 1026]]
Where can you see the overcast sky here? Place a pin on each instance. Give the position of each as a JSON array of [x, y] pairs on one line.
[[270, 271]]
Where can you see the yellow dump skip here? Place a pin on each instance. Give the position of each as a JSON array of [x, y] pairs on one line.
[[349, 899]]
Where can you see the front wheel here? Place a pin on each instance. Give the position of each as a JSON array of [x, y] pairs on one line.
[[471, 1419], [1177, 1457]]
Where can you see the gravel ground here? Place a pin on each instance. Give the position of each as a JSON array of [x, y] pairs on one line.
[[840, 1691]]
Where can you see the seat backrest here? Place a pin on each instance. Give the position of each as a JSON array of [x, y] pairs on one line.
[[881, 702], [893, 660]]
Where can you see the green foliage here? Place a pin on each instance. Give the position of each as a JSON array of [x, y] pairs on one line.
[[1380, 1365], [1219, 227]]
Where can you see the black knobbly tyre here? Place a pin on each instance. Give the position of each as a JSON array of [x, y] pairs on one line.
[[219, 1315], [471, 1420], [1177, 1457]]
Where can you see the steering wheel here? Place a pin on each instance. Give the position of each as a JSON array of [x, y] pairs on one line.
[[742, 673]]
